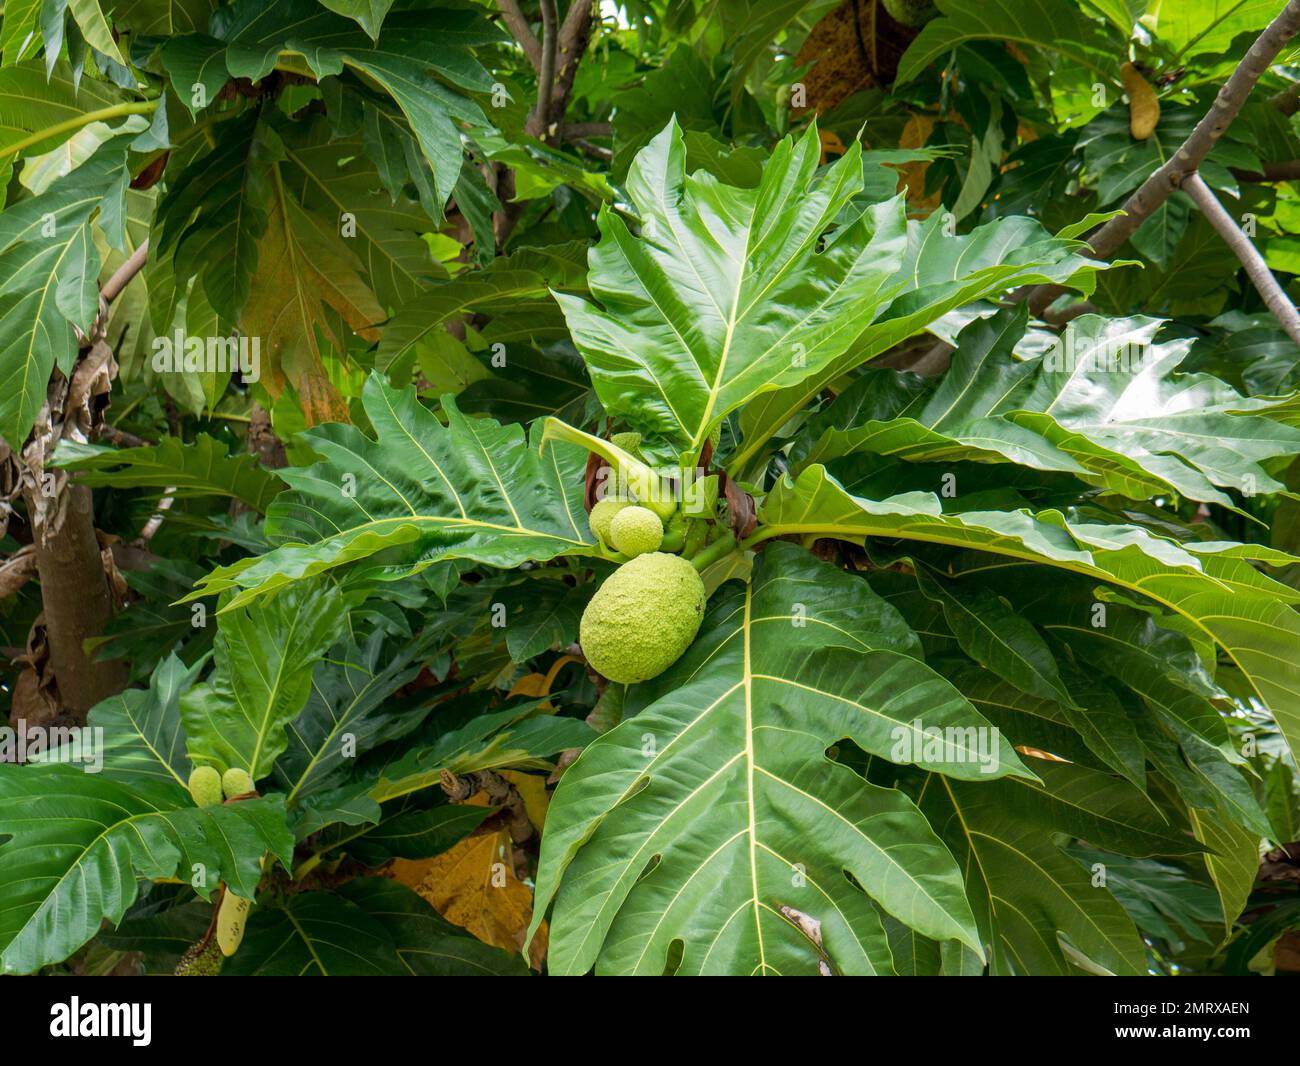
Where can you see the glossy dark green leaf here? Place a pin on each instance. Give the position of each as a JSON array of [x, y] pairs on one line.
[[723, 808], [79, 843], [425, 492]]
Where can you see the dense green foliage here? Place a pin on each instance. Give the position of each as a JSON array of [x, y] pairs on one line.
[[955, 631]]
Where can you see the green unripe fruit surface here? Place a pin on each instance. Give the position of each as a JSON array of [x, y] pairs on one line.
[[635, 531], [236, 782], [601, 515], [914, 13], [628, 442], [642, 618], [205, 786]]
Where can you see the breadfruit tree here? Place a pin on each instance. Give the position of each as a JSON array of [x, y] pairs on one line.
[[661, 488]]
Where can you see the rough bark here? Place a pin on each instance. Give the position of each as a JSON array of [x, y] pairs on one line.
[[77, 594], [77, 601], [555, 58]]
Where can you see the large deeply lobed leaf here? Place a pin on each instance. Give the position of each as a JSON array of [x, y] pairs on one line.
[[1212, 584], [472, 489], [729, 291], [715, 817]]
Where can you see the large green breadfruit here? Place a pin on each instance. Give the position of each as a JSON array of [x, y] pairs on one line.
[[642, 618]]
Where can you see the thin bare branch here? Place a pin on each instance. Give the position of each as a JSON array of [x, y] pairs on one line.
[[1153, 192], [571, 43], [572, 131], [17, 570], [521, 31], [121, 437], [539, 120], [156, 519], [122, 275], [593, 150], [1262, 278]]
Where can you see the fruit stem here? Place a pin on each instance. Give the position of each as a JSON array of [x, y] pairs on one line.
[[707, 556]]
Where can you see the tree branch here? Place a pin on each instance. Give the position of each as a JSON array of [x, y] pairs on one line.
[[538, 122], [122, 276], [1153, 192], [553, 92], [1262, 278], [572, 131], [521, 32], [112, 288], [593, 150], [574, 35], [17, 570]]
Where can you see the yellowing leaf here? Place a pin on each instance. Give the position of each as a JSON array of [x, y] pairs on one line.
[[473, 885], [532, 790], [915, 134], [530, 685], [300, 271], [535, 685]]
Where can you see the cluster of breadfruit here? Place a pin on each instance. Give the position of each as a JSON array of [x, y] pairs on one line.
[[645, 614], [208, 788]]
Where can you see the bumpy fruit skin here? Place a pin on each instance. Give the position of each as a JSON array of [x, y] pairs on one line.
[[635, 531], [642, 618], [231, 919], [914, 13], [205, 786], [236, 782], [1143, 103], [200, 960], [601, 515], [629, 442]]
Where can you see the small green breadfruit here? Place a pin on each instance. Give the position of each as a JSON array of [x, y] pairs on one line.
[[601, 515], [914, 13], [236, 782], [205, 786], [635, 531], [642, 618], [200, 960], [629, 442]]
